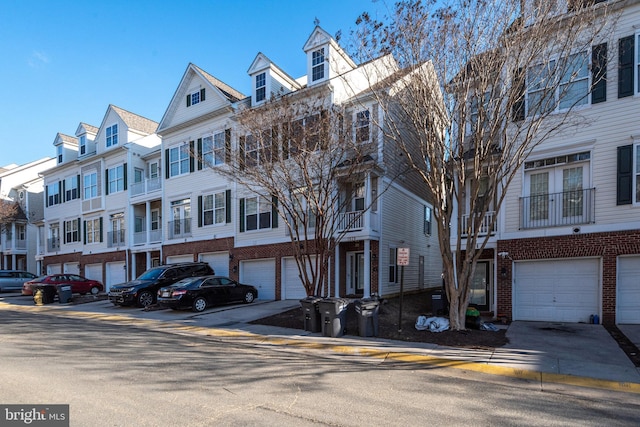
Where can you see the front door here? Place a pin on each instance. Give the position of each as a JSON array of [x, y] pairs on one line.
[[355, 273], [480, 286]]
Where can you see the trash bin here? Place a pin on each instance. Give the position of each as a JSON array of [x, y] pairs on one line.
[[367, 310], [333, 316], [310, 313], [437, 303], [44, 294], [64, 294]]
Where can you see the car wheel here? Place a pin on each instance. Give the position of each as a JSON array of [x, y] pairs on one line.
[[145, 299], [95, 290], [249, 297], [199, 305]]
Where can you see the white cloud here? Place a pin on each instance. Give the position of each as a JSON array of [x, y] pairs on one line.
[[38, 58]]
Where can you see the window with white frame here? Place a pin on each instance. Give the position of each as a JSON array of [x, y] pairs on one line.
[[195, 97], [21, 232], [214, 209], [53, 193], [71, 188], [112, 135], [257, 214], [427, 220], [544, 95], [83, 145], [362, 126], [317, 64], [155, 219], [213, 149], [393, 265], [117, 229], [71, 231], [261, 87], [54, 237], [154, 170], [138, 174], [59, 153], [90, 186], [92, 230], [116, 179], [179, 160]]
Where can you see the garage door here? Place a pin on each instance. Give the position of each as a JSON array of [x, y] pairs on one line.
[[54, 269], [291, 283], [93, 271], [219, 261], [72, 268], [116, 273], [628, 296], [557, 291], [179, 258], [261, 274]]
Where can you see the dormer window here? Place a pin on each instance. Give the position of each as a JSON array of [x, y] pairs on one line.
[[112, 135], [83, 145], [59, 153], [317, 65], [261, 87], [195, 97]]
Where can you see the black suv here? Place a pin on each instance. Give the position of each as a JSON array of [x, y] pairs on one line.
[[142, 291]]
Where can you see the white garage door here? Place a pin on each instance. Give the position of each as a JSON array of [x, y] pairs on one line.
[[179, 258], [116, 273], [219, 261], [291, 283], [556, 291], [72, 268], [261, 274], [54, 269], [93, 271], [628, 296]]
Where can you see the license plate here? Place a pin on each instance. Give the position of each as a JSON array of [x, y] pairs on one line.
[[166, 294]]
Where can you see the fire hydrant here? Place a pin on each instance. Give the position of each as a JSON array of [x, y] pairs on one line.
[[37, 297]]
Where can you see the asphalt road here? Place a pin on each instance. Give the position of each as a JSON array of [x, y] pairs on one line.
[[118, 375]]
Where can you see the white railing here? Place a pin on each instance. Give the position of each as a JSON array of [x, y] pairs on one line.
[[487, 224]]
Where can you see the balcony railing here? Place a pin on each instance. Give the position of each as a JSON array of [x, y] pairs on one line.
[[144, 187], [558, 209], [140, 237], [115, 238], [180, 228], [53, 244], [357, 220], [487, 224]]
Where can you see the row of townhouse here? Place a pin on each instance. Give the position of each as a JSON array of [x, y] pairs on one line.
[[566, 245], [132, 193]]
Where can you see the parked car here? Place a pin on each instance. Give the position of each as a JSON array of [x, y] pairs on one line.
[[198, 293], [12, 280], [79, 285], [142, 291]]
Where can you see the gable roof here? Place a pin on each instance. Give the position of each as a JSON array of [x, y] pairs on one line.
[[66, 139], [134, 121], [85, 127], [230, 93]]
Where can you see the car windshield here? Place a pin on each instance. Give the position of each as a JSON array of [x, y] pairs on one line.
[[152, 274]]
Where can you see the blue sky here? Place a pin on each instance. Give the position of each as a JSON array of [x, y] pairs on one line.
[[63, 62]]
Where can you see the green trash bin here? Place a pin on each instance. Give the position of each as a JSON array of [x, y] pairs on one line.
[[333, 316], [64, 294]]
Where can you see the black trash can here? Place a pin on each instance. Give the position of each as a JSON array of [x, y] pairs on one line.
[[333, 315], [310, 313], [367, 310], [44, 294], [64, 294], [437, 302]]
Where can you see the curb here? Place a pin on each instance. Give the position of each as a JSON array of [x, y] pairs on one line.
[[398, 356]]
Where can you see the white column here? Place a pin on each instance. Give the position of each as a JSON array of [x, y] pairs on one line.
[[367, 268], [337, 271], [147, 223]]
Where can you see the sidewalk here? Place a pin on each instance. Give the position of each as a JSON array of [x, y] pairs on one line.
[[550, 353]]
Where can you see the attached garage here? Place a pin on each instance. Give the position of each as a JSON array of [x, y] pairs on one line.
[[260, 273], [116, 273], [93, 271], [219, 261], [54, 269], [564, 290], [291, 283], [72, 268], [628, 290]]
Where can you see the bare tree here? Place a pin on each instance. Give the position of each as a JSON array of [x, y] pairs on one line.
[[8, 212], [298, 152], [509, 75]]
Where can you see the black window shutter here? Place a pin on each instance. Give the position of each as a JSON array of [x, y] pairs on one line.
[[227, 206], [60, 191], [518, 105], [199, 211], [64, 193], [625, 175], [189, 100], [192, 146], [202, 94], [274, 212], [625, 66], [79, 188], [100, 229], [125, 176], [84, 232], [78, 222], [241, 215], [599, 73], [106, 181], [227, 146], [64, 231], [199, 153], [166, 163], [46, 195], [241, 152]]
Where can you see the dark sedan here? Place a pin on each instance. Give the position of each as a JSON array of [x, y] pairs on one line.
[[198, 293], [79, 285]]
